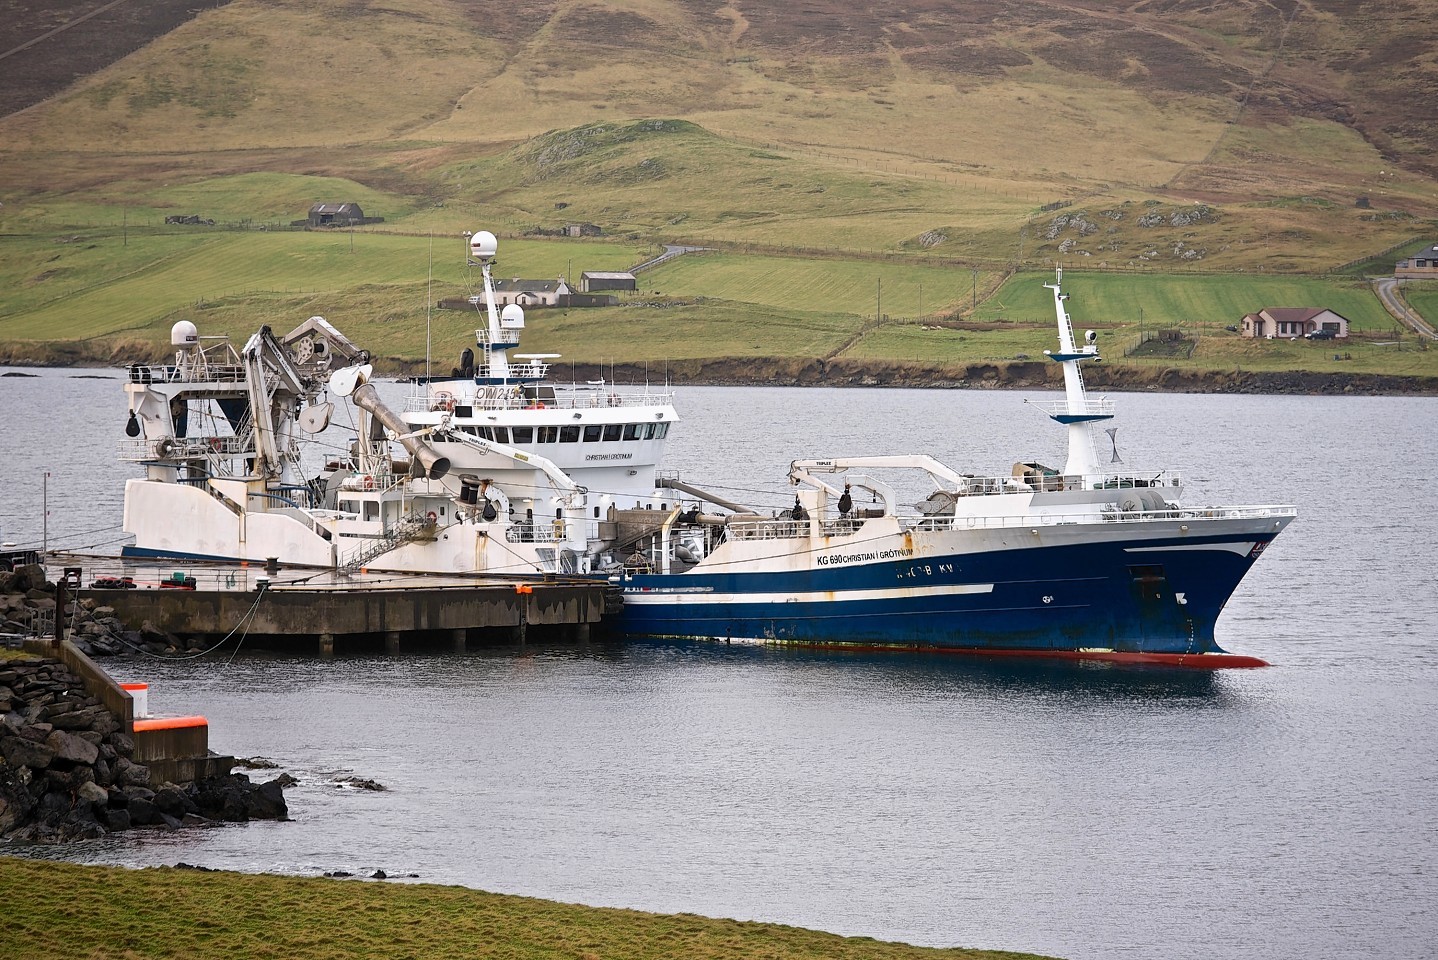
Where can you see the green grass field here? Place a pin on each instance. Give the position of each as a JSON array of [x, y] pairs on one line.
[[1423, 297], [114, 294], [1181, 300], [99, 285], [62, 911]]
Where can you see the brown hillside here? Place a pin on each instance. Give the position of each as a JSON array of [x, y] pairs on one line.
[[46, 46]]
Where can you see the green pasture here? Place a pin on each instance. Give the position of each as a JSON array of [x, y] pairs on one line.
[[1423, 297], [851, 286], [63, 911], [688, 330], [913, 343], [1176, 300], [105, 285]]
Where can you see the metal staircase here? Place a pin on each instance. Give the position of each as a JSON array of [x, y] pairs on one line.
[[409, 530]]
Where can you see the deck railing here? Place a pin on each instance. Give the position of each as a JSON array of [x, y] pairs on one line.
[[788, 529], [566, 400]]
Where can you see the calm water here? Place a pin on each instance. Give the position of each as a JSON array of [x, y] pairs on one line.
[[1088, 812]]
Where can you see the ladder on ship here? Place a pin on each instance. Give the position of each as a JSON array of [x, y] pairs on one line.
[[410, 530]]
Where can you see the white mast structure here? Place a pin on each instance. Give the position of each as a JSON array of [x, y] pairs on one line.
[[1076, 410]]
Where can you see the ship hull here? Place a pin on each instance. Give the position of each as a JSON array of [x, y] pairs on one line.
[[1142, 596]]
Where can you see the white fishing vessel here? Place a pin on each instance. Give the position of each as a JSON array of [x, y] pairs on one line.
[[1079, 562], [501, 471]]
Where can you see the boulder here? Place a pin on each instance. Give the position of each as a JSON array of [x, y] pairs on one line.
[[173, 802], [94, 793], [72, 749], [127, 773], [114, 819], [23, 752], [143, 812], [267, 802]]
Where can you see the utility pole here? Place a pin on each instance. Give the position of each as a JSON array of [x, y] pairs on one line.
[[45, 513], [879, 303], [976, 291]]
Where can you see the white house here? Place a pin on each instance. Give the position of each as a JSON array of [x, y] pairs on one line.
[[530, 293], [1288, 322]]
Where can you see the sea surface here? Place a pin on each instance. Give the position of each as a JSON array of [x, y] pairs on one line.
[[1078, 810]]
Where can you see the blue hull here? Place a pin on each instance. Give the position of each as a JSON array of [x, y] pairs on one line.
[[1162, 598]]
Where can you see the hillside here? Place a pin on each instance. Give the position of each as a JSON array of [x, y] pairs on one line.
[[1162, 137]]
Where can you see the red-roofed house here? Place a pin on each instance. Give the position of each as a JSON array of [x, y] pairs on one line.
[[1286, 322]]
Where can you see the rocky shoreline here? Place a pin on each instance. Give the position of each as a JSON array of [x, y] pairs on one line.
[[843, 372], [1008, 375], [67, 768]]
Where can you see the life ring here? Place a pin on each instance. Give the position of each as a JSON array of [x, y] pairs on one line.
[[367, 483], [444, 400], [217, 443], [431, 516]]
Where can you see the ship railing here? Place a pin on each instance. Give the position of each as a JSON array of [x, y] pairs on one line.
[[1105, 514], [182, 448], [506, 338], [779, 529], [197, 373], [974, 486], [1075, 408], [552, 531], [564, 399]]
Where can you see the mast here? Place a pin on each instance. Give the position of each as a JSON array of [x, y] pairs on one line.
[[1076, 411], [496, 342]]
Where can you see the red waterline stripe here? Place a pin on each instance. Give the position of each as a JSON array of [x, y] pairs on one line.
[[1197, 661]]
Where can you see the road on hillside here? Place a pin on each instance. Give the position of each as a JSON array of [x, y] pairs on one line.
[[1388, 295]]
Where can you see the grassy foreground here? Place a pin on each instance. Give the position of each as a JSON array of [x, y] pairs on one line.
[[61, 910]]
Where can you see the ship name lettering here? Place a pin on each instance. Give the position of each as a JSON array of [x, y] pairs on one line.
[[609, 456], [834, 559]]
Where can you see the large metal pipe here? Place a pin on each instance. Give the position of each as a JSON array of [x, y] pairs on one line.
[[674, 483], [366, 397]]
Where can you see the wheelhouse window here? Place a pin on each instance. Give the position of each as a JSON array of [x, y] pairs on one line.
[[592, 433], [631, 431], [523, 434], [548, 434], [611, 431], [661, 430], [569, 433]]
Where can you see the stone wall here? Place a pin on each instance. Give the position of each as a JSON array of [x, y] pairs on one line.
[[67, 770]]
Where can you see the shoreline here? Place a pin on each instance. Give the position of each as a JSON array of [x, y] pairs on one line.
[[977, 375]]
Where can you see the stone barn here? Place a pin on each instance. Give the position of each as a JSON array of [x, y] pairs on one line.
[[593, 281], [347, 214]]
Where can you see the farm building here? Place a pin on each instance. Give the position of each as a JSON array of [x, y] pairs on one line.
[[530, 293], [1273, 322], [347, 214], [582, 230], [1423, 265], [592, 281]]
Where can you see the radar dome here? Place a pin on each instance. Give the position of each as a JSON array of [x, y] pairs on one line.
[[483, 245], [184, 334], [512, 313]]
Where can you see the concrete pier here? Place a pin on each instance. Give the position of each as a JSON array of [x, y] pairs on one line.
[[324, 613]]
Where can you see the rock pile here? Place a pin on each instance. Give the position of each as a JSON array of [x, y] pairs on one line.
[[66, 768], [27, 608]]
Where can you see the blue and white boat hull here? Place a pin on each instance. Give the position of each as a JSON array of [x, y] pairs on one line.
[[1148, 590]]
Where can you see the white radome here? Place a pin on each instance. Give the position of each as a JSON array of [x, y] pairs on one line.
[[184, 334], [483, 245]]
